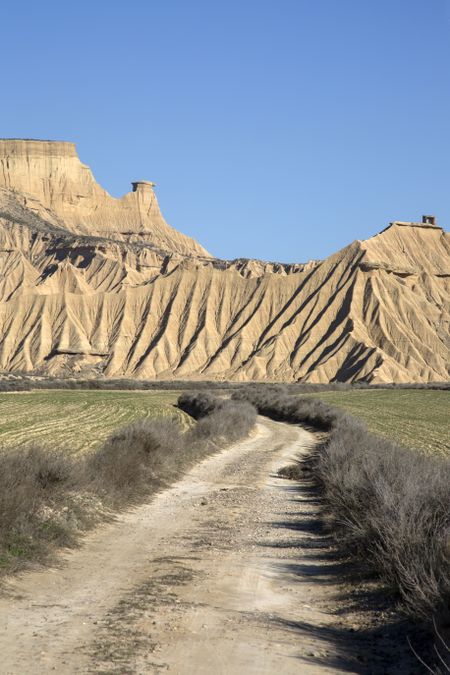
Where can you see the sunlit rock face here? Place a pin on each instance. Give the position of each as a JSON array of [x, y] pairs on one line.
[[94, 285], [50, 175]]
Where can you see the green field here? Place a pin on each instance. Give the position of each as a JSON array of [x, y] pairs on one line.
[[415, 418], [78, 420]]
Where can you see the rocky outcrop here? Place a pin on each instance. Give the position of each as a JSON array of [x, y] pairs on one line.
[[48, 176], [75, 301]]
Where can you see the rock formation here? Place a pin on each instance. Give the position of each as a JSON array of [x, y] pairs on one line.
[[90, 284], [50, 179]]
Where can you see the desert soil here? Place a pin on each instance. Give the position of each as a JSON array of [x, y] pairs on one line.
[[223, 573]]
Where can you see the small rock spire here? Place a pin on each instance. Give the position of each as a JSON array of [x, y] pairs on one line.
[[139, 185]]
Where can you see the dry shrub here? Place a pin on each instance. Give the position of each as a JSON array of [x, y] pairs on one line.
[[390, 507], [134, 459], [222, 419], [19, 381], [387, 505], [274, 402], [32, 481], [292, 471], [47, 497], [198, 404]]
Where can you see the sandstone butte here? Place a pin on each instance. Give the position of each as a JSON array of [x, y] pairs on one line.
[[93, 285]]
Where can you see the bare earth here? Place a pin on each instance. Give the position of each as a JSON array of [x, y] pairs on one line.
[[224, 573], [93, 285]]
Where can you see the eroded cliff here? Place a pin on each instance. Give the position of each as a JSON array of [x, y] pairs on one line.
[[49, 176], [88, 286]]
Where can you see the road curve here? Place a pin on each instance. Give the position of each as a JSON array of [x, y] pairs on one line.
[[221, 574]]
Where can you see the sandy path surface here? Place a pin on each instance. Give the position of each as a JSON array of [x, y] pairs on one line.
[[224, 573]]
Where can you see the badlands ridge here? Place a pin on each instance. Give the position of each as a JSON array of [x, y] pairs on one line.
[[94, 285]]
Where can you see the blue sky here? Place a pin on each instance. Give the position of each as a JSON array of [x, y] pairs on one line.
[[279, 130]]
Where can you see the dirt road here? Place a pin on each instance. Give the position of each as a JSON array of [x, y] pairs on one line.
[[222, 574]]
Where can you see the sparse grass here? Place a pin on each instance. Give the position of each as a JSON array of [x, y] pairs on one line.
[[416, 418], [79, 420]]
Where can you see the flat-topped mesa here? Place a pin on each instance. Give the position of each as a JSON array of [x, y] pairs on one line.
[[50, 175], [427, 221], [33, 147], [408, 249]]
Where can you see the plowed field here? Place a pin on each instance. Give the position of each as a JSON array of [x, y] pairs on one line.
[[78, 420]]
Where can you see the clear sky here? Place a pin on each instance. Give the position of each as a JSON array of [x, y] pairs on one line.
[[274, 129]]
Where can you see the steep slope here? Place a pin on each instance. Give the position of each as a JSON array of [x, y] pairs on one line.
[[128, 305], [49, 176]]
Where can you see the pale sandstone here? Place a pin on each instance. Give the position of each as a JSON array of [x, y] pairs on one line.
[[78, 298], [49, 175]]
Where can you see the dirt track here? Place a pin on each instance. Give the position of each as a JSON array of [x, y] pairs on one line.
[[222, 574]]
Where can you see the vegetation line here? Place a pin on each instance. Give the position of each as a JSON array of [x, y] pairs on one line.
[[23, 382], [49, 498], [387, 505]]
